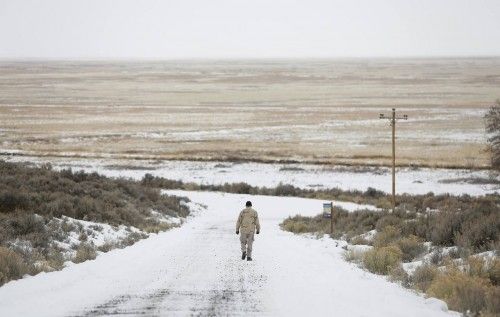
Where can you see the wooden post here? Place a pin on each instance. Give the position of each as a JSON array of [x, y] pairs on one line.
[[331, 220]]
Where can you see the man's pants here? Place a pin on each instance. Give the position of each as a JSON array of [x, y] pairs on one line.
[[246, 240]]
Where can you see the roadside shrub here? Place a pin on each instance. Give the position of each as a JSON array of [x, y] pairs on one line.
[[476, 266], [285, 190], [296, 227], [372, 192], [478, 231], [12, 266], [411, 247], [26, 190], [353, 223], [398, 274], [157, 226], [107, 246], [443, 227], [55, 259], [238, 188], [346, 224], [80, 195], [359, 240], [423, 276], [492, 125], [470, 224], [11, 200], [492, 302], [84, 252], [354, 255], [457, 253], [299, 224], [389, 219], [493, 269], [387, 236], [418, 226], [460, 291], [132, 238], [437, 256], [25, 223], [382, 260], [83, 236], [486, 268]]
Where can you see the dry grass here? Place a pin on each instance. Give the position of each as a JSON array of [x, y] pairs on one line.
[[354, 255], [468, 284], [84, 252], [461, 292], [292, 113], [398, 274], [382, 260], [423, 276], [387, 236], [471, 288], [12, 266], [411, 247], [30, 198]]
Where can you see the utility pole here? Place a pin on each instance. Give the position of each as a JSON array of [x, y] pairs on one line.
[[392, 120]]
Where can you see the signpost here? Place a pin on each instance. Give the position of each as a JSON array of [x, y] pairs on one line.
[[392, 120], [328, 213]]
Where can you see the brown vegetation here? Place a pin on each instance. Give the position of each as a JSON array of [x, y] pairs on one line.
[[492, 118], [467, 291], [382, 260], [469, 224], [11, 265], [476, 227], [301, 103], [31, 198]]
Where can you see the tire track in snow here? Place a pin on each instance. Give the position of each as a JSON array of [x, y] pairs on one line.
[[209, 280]]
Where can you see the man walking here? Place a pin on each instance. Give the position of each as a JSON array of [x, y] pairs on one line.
[[247, 223]]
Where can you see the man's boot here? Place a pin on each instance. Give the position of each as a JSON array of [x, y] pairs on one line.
[[249, 259], [243, 255]]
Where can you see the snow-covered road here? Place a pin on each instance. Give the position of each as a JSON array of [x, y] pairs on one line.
[[196, 270]]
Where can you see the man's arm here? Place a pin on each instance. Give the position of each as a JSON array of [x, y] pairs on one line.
[[238, 223], [257, 224]]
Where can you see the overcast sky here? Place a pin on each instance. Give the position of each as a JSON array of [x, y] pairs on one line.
[[172, 29]]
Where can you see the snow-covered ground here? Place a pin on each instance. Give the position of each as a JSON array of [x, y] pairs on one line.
[[96, 234], [409, 180], [196, 270]]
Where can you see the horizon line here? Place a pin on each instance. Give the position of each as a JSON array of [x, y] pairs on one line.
[[165, 59]]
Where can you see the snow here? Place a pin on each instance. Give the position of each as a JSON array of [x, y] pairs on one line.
[[360, 248], [196, 270], [166, 218], [307, 176], [97, 233], [487, 255], [369, 235], [410, 267]]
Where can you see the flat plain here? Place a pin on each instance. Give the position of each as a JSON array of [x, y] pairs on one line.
[[315, 111]]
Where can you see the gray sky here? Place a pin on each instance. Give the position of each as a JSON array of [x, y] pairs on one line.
[[99, 29]]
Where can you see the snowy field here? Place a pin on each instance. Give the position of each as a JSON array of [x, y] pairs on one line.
[[196, 270], [409, 180]]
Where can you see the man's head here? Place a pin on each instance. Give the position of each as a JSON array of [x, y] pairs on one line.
[[248, 204]]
